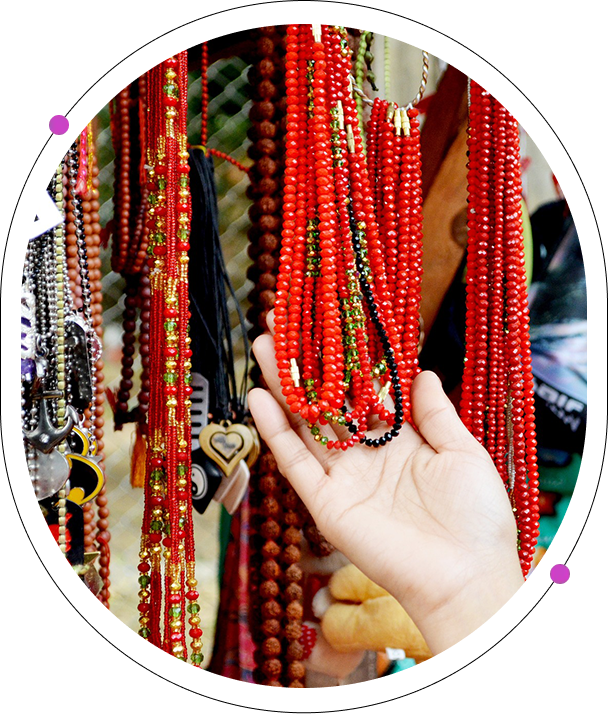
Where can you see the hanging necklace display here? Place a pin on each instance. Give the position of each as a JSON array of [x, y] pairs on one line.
[[130, 229], [167, 595], [225, 448], [348, 289], [497, 389], [60, 348]]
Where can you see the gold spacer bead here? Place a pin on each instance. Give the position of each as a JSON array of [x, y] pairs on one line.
[[194, 620]]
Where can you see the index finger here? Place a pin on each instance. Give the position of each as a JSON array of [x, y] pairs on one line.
[[294, 459]]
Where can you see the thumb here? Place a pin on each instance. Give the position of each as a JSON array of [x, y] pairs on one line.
[[435, 417]]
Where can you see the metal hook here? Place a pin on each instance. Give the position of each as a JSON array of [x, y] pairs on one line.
[[417, 98], [423, 81]]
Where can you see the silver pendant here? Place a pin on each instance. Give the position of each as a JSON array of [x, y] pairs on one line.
[[52, 473]]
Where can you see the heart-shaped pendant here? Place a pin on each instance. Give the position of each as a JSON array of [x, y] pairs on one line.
[[226, 444]]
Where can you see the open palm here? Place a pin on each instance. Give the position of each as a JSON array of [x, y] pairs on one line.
[[427, 516]]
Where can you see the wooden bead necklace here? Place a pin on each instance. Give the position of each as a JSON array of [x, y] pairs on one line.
[[130, 229], [348, 288], [168, 593], [83, 241], [497, 402], [274, 571]]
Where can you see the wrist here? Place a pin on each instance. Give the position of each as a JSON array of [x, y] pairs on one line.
[[483, 592]]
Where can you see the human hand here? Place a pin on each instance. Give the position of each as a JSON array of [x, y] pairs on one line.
[[426, 516]]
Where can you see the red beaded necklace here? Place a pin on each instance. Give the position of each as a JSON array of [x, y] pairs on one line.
[[167, 545], [497, 393], [348, 288]]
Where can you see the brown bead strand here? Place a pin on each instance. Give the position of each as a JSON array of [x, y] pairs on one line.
[[265, 77], [129, 325], [121, 139], [280, 593], [130, 242], [92, 232], [293, 595], [265, 570], [269, 643], [267, 151], [92, 229], [137, 254], [128, 226], [143, 398], [92, 236]]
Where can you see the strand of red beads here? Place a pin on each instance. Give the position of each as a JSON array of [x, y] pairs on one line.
[[167, 546], [520, 359], [337, 313], [497, 397], [497, 382]]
